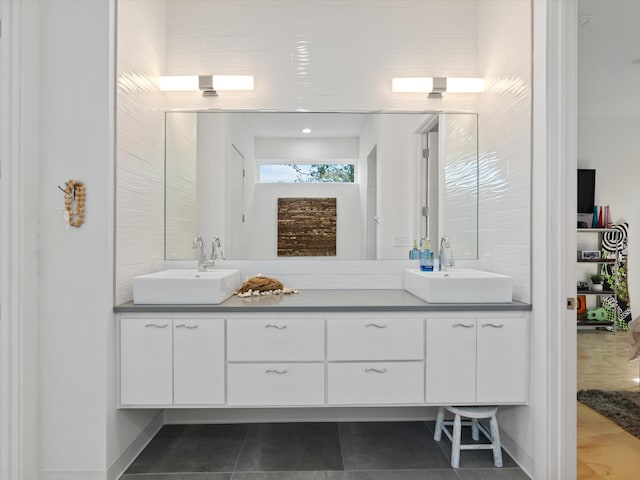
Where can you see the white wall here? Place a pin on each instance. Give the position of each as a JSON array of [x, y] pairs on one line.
[[211, 177], [180, 206], [611, 146], [398, 152], [140, 142], [262, 232], [290, 150], [76, 264]]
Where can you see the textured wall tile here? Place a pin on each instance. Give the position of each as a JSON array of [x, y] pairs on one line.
[[139, 143]]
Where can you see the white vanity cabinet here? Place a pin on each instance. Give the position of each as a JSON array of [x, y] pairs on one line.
[[323, 359], [275, 360], [477, 359], [166, 361], [375, 360]]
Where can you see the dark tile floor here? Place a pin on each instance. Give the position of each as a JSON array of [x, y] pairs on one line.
[[311, 451]]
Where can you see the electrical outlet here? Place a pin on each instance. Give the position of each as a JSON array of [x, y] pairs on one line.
[[400, 241]]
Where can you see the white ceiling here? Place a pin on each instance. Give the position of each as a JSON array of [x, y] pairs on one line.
[[290, 125], [609, 58]]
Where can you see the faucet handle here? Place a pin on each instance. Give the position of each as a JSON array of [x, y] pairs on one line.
[[218, 247]]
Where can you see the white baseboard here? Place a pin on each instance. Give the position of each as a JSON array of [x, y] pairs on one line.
[[524, 461], [72, 475], [117, 468]]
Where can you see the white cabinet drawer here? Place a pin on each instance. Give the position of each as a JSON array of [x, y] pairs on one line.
[[275, 339], [275, 384], [375, 339], [364, 383]]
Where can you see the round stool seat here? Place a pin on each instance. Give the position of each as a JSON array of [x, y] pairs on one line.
[[474, 412]]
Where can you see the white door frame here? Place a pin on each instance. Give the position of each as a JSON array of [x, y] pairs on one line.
[[554, 236], [10, 340], [19, 144]]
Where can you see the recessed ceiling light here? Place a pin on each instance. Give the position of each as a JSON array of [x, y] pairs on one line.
[[306, 130]]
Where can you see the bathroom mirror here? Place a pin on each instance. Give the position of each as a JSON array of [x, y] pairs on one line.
[[396, 177]]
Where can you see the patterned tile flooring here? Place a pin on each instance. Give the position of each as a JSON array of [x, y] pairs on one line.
[[311, 451]]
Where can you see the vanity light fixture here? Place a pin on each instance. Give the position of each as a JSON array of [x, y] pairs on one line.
[[436, 86], [306, 130], [208, 85]]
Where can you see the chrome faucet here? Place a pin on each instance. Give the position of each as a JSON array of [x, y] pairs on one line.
[[216, 245], [445, 256], [203, 263]]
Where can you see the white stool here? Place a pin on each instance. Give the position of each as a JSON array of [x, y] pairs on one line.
[[474, 413]]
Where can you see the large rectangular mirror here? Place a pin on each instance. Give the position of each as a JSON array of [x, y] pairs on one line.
[[395, 177]]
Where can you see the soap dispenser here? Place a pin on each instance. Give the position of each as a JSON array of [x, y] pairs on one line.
[[414, 253], [426, 256]]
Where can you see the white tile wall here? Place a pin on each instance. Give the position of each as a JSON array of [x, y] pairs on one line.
[[505, 139], [139, 142], [322, 54]]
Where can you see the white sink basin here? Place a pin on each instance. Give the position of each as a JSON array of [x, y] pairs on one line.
[[459, 286], [185, 287]]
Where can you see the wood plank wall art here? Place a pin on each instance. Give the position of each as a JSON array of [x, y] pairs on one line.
[[307, 227]]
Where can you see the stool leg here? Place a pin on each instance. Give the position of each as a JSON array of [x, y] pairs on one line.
[[475, 431], [437, 435], [455, 447], [495, 440]]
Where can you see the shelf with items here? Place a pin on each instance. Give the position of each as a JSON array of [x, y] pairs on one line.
[[606, 260], [595, 306], [596, 292]]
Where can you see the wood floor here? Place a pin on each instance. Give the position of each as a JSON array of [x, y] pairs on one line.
[[604, 449]]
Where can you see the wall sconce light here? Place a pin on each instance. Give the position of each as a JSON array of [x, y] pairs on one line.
[[436, 86], [208, 85]]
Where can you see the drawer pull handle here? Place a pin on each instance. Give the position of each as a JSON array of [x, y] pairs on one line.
[[273, 325], [376, 370], [377, 325], [463, 325], [190, 327], [494, 325], [155, 325], [275, 370]]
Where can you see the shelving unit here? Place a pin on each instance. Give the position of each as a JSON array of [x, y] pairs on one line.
[[597, 294]]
